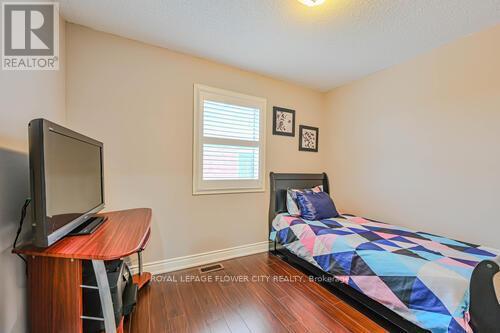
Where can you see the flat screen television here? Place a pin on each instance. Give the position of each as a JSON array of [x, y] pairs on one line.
[[66, 180]]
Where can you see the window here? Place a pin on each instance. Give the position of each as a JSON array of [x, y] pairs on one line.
[[229, 139]]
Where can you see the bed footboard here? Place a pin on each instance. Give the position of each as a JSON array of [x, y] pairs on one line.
[[484, 306]]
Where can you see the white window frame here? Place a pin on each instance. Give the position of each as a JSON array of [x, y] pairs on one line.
[[200, 186]]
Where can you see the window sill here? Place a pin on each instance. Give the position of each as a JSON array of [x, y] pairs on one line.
[[235, 191]]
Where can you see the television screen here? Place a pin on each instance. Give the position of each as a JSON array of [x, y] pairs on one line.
[[72, 178], [66, 180]]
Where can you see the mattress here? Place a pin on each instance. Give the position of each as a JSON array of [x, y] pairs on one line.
[[422, 277]]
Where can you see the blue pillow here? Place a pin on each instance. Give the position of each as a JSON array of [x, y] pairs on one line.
[[291, 199], [316, 206]]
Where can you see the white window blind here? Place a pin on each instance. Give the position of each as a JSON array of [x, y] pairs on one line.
[[229, 141]]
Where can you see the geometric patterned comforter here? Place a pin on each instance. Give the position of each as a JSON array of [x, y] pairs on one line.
[[422, 277]]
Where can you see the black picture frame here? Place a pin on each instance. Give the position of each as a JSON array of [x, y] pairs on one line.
[[276, 131], [302, 144]]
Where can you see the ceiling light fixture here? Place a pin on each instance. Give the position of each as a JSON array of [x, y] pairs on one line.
[[311, 3]]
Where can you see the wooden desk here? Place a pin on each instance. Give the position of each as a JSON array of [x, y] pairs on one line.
[[55, 273]]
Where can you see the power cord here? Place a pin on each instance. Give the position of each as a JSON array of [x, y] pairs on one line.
[[20, 228]]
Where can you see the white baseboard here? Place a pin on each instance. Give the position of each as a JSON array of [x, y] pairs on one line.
[[175, 264]]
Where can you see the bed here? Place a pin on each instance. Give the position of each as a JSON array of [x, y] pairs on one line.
[[405, 280]]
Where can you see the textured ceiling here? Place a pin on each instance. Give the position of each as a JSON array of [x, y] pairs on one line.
[[320, 47]]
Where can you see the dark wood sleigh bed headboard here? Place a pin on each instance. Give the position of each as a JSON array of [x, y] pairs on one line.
[[280, 182]]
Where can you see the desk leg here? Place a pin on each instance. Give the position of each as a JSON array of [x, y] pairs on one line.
[[105, 296], [142, 278], [139, 257]]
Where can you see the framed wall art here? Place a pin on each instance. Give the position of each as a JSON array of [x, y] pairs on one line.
[[308, 138], [283, 121]]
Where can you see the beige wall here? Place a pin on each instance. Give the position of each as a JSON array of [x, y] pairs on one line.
[[24, 95], [417, 144], [138, 99]]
